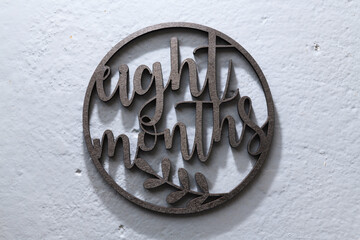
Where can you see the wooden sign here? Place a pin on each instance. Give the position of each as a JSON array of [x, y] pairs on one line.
[[183, 198]]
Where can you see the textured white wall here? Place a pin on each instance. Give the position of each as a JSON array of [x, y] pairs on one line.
[[309, 187]]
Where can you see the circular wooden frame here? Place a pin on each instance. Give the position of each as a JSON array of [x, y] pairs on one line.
[[173, 210]]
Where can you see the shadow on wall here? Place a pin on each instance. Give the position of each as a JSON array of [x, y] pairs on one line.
[[209, 223]]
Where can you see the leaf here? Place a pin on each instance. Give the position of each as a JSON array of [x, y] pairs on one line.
[[144, 166], [201, 181], [165, 166], [184, 178], [153, 183], [175, 196], [196, 202]]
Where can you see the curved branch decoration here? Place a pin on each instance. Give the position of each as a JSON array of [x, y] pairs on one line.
[[183, 190]]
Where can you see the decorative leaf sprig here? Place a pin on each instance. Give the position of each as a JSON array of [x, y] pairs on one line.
[[203, 185], [156, 182], [183, 190], [184, 180]]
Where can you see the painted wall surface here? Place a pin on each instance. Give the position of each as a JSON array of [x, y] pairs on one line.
[[309, 188]]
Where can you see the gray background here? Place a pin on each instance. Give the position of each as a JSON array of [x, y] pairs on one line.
[[309, 187]]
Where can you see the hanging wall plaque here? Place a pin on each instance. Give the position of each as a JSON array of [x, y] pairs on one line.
[[176, 122]]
